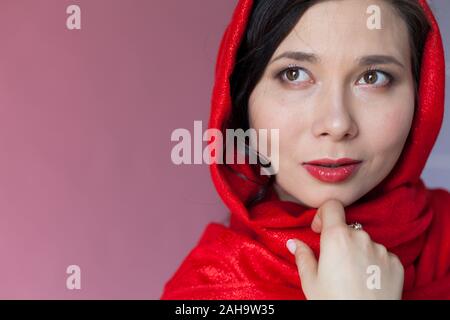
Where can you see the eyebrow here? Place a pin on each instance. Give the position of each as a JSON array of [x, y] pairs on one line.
[[379, 59], [297, 55], [363, 61]]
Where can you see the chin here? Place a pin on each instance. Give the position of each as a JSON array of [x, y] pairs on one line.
[[318, 198]]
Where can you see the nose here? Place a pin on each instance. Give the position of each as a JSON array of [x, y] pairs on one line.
[[332, 116]]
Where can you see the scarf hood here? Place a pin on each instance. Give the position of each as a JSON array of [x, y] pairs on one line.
[[249, 260]]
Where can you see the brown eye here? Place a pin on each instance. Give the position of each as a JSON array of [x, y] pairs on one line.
[[292, 74], [295, 75], [371, 77], [376, 78]]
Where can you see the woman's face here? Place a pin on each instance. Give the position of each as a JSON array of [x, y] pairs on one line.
[[348, 94]]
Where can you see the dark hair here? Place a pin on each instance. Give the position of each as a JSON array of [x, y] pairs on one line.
[[270, 23]]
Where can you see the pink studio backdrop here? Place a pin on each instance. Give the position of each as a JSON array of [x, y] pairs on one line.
[[86, 117]]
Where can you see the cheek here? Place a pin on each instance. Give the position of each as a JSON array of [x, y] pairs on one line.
[[261, 107], [388, 131], [263, 115], [264, 110], [274, 112]]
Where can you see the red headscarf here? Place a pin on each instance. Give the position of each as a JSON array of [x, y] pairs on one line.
[[249, 259]]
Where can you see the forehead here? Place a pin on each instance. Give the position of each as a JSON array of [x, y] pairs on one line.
[[338, 29]]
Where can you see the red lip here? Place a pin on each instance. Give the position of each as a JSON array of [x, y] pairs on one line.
[[324, 162], [341, 169]]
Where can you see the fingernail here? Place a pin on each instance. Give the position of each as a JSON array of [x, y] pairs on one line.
[[291, 245]]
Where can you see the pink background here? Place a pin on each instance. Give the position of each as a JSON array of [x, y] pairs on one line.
[[86, 117], [85, 123]]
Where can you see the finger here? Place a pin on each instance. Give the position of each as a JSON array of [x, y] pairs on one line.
[[331, 214], [396, 261], [306, 263], [316, 224]]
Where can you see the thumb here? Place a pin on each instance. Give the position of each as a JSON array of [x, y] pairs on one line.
[[306, 263]]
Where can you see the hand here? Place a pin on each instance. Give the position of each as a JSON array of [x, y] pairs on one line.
[[345, 256]]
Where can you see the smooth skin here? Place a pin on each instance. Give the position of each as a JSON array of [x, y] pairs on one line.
[[345, 255], [337, 101], [338, 105]]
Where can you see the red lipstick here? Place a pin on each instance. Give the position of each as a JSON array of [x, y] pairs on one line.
[[329, 170]]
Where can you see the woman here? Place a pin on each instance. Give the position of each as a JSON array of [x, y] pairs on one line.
[[368, 97]]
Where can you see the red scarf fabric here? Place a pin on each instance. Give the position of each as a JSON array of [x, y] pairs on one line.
[[249, 259]]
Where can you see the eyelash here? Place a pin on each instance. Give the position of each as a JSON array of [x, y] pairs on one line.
[[289, 68], [369, 69], [388, 75]]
